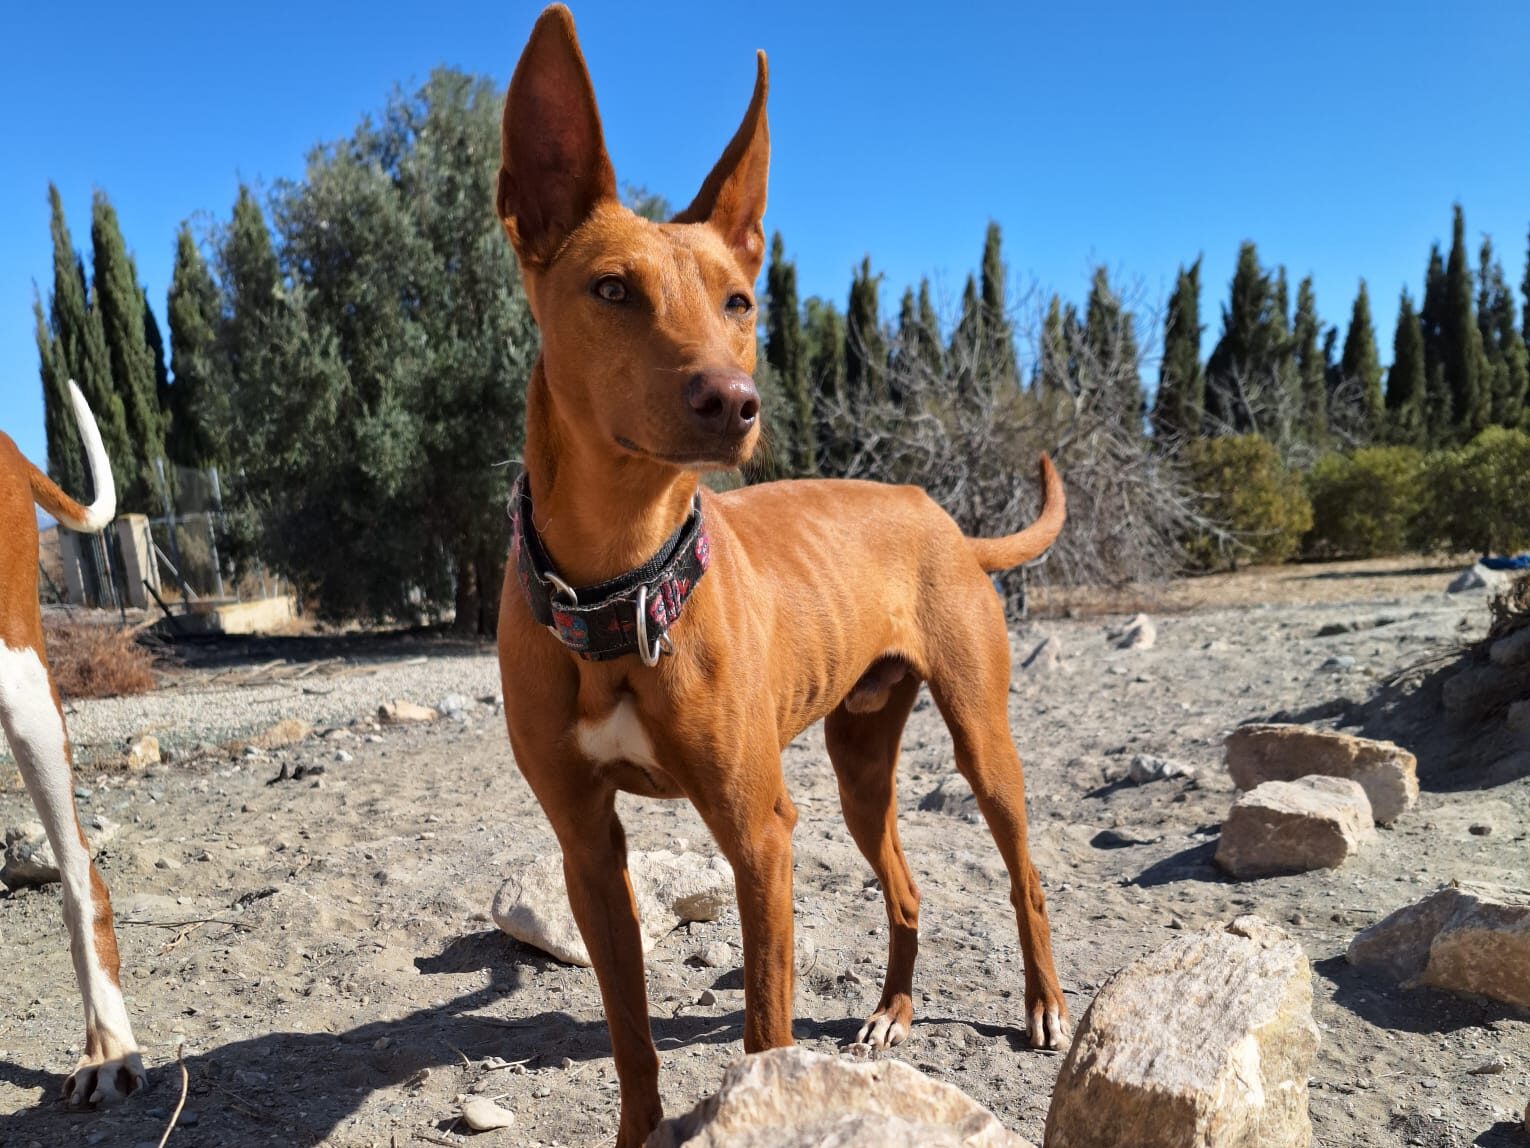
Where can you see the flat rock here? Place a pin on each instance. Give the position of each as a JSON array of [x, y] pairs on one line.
[[482, 1115], [1477, 577], [1207, 1042], [401, 712], [793, 1098], [1267, 752], [288, 731], [1315, 822], [671, 888], [1466, 938], [1138, 634], [1145, 767], [29, 859]]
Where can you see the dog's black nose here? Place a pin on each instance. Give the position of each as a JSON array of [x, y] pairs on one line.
[[724, 402]]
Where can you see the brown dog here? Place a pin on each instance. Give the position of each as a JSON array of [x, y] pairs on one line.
[[821, 600], [34, 725]]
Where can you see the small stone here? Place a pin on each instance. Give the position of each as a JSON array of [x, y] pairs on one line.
[[1138, 634], [1482, 829], [1122, 838], [1337, 664], [707, 998], [288, 731], [717, 955], [1490, 1067], [343, 758], [1477, 577], [144, 752], [1295, 826], [452, 705], [483, 1115], [1046, 657], [400, 712]]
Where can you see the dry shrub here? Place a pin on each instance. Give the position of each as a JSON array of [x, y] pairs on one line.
[[97, 661]]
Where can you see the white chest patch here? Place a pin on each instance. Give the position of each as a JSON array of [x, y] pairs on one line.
[[619, 736]]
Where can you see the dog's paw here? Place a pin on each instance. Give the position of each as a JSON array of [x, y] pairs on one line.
[[1047, 1027], [98, 1080], [888, 1026]]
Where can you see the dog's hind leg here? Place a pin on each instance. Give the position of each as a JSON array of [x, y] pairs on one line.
[[969, 680], [110, 1067], [864, 749]]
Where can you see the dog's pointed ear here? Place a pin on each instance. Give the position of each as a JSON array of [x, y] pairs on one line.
[[733, 197], [553, 166]]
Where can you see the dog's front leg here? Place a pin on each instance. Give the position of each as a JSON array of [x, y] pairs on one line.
[[752, 819], [600, 894]]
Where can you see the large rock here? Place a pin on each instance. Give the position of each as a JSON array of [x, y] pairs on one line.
[[1206, 1042], [1477, 577], [1387, 772], [1295, 826], [29, 859], [671, 888], [793, 1098], [1467, 938]]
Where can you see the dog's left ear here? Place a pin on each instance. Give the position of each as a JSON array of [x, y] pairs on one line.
[[733, 197]]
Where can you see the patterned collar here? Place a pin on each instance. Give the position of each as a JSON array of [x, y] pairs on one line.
[[628, 614]]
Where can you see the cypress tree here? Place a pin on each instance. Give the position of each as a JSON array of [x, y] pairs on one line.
[[1112, 350], [865, 343], [1179, 405], [155, 341], [1405, 379], [1310, 367], [966, 351], [931, 354], [1524, 287], [120, 300], [1460, 340], [1506, 374], [998, 334], [66, 458], [1240, 362], [824, 335], [1436, 401], [76, 324], [1360, 368], [786, 354], [1052, 375], [200, 415]]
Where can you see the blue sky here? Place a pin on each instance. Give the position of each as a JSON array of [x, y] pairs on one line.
[[1138, 135]]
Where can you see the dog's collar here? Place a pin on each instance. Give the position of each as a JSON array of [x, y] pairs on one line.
[[628, 614]]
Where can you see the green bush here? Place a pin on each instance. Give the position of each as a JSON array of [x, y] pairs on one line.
[[1477, 498], [1251, 496], [1367, 503]]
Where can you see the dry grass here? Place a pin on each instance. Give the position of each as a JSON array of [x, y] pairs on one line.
[[97, 661]]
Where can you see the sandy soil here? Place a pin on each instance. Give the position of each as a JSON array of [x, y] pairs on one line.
[[352, 985]]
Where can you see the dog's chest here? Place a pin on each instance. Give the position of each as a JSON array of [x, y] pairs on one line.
[[620, 745]]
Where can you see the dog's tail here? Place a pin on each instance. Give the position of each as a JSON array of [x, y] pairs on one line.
[[46, 492], [994, 554]]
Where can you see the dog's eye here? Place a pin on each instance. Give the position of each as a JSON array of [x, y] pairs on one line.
[[738, 305], [611, 289]]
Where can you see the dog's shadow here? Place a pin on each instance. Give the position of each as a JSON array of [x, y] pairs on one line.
[[300, 1088]]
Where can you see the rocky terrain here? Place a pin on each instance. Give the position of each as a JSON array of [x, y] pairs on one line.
[[322, 945]]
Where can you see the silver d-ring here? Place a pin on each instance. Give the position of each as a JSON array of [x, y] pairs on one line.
[[563, 587], [650, 655]]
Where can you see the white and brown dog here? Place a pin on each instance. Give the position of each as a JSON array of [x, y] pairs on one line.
[[34, 725]]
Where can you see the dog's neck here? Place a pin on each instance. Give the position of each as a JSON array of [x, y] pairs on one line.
[[599, 512]]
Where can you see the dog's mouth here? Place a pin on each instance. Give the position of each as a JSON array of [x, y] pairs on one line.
[[716, 459]]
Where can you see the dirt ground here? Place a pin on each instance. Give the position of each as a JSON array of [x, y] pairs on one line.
[[348, 984]]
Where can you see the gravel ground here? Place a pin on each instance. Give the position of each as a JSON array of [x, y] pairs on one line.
[[351, 986]]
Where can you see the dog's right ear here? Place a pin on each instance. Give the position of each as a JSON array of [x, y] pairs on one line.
[[553, 166]]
